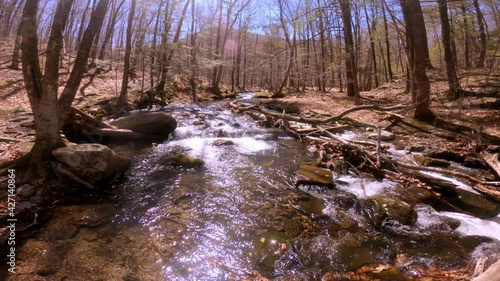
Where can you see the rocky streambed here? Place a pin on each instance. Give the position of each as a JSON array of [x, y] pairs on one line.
[[219, 200]]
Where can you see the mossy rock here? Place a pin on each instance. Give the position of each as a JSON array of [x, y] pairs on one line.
[[186, 161]]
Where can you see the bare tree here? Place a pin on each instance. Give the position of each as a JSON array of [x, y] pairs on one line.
[[49, 111], [482, 34], [122, 99], [420, 86], [350, 64], [451, 72]]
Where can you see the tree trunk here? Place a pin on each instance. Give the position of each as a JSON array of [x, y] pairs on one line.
[[451, 72], [160, 88], [371, 30], [122, 99], [387, 44], [420, 85], [193, 72], [110, 29], [482, 34], [215, 85], [153, 47], [350, 64], [466, 36], [42, 90], [69, 92], [17, 45]]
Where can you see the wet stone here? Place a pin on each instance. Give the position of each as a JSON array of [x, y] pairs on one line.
[[222, 142], [475, 204], [415, 148], [95, 215], [186, 161], [198, 122], [414, 194], [431, 162], [379, 208], [309, 174], [384, 136]]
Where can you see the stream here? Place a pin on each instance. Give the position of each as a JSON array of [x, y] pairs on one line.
[[239, 216]]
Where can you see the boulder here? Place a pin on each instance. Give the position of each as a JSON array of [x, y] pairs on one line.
[[148, 123], [309, 174], [380, 208], [94, 163]]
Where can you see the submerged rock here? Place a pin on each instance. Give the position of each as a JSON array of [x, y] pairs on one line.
[[415, 194], [221, 142], [309, 174], [95, 163], [186, 161]]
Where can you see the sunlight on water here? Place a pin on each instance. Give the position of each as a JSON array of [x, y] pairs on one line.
[[469, 225]]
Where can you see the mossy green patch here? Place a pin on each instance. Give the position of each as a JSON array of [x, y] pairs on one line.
[[186, 161]]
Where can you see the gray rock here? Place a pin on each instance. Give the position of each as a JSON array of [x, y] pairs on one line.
[[384, 136], [149, 123], [95, 163], [26, 190]]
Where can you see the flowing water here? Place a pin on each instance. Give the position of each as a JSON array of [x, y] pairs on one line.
[[239, 216]]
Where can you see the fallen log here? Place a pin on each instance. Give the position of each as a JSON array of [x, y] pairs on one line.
[[7, 139], [311, 120], [492, 159], [488, 189], [491, 274], [90, 119]]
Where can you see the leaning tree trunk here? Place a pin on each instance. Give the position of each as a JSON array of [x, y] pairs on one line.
[[451, 72], [420, 86]]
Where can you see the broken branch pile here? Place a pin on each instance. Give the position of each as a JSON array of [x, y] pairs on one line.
[[372, 157]]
